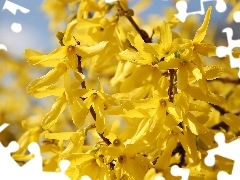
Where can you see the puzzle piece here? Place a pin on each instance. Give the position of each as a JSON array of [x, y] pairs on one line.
[[3, 126], [88, 178], [159, 178], [2, 46], [12, 7], [181, 6], [236, 16], [183, 172], [222, 51], [16, 27], [228, 150], [9, 168]]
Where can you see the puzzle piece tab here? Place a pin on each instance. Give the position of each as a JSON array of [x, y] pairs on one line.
[[228, 150], [12, 7], [10, 169], [222, 51], [183, 172], [182, 6]]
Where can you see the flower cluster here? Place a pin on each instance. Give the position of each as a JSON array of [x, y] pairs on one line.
[[129, 103]]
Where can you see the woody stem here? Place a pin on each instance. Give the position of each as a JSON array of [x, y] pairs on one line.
[[83, 84]]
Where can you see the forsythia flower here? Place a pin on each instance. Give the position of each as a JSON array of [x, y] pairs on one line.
[[129, 103]]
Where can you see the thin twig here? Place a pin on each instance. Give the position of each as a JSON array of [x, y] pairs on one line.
[[227, 80], [171, 86], [142, 33], [83, 84]]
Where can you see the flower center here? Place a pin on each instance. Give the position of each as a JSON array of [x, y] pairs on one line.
[[183, 62], [163, 103], [121, 158], [70, 49], [116, 142]]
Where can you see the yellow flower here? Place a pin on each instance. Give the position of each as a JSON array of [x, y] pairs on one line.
[[67, 53], [100, 102], [128, 160]]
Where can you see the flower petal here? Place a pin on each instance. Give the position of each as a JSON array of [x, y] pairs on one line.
[[201, 32], [58, 107]]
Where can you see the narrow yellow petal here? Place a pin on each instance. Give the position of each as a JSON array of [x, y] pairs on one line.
[[193, 124], [49, 91], [189, 143], [182, 78], [134, 57], [197, 93], [59, 136], [165, 157], [195, 71], [72, 60], [205, 49], [86, 52], [47, 80], [232, 120], [213, 72], [100, 119], [78, 111], [58, 107], [166, 35], [201, 32], [69, 30], [50, 60]]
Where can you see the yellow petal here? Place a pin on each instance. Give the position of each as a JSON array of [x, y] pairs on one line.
[[69, 30], [201, 32], [170, 121], [182, 78], [195, 71], [134, 57], [136, 41], [182, 101], [232, 120], [193, 124], [100, 119], [137, 147], [153, 48], [197, 93], [171, 64], [72, 60], [78, 110], [49, 91], [174, 110], [166, 35], [59, 136], [163, 85], [213, 72], [86, 52], [167, 153], [50, 60], [188, 141], [135, 171], [58, 107], [47, 80], [205, 49]]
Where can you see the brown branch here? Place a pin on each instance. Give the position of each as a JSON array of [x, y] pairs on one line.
[[222, 111], [219, 109], [226, 80], [83, 84], [142, 33], [171, 86], [179, 149]]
